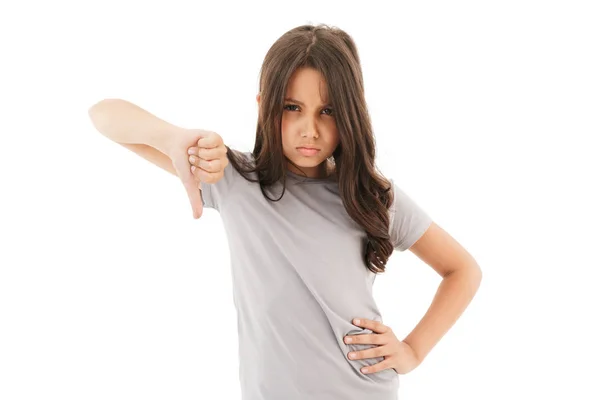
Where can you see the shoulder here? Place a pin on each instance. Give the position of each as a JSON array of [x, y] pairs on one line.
[[214, 194], [240, 158], [408, 219]]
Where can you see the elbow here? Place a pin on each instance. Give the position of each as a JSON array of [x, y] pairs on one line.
[[99, 112], [100, 105], [476, 276]]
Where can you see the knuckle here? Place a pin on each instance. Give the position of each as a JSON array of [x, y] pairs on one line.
[[213, 165], [208, 177]]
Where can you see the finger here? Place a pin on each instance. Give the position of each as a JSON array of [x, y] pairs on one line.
[[374, 352], [211, 153], [375, 326], [369, 338], [193, 150], [207, 165], [191, 187], [380, 366], [205, 176], [210, 141]]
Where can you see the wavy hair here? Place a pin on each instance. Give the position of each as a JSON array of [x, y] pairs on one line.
[[365, 193]]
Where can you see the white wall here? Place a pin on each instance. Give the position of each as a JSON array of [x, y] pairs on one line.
[[486, 113]]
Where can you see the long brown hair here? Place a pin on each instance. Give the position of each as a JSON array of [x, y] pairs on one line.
[[365, 193]]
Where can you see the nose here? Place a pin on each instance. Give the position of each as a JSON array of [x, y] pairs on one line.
[[311, 128]]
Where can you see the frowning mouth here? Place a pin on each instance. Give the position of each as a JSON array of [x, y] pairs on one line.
[[308, 151]]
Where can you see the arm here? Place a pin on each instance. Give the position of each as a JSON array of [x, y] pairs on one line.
[[135, 129], [164, 144], [461, 279]]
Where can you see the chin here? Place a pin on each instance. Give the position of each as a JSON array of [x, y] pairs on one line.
[[308, 161]]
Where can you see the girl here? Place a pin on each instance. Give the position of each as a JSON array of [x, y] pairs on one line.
[[310, 222]]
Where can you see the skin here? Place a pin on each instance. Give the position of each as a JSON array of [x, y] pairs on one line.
[[308, 121], [398, 355]]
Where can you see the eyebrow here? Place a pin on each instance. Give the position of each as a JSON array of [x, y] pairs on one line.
[[301, 103]]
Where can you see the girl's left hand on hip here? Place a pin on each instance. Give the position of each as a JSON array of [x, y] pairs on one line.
[[398, 355]]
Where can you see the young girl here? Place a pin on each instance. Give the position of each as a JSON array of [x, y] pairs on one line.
[[310, 222]]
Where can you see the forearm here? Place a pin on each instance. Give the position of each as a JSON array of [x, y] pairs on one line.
[[125, 122], [454, 294]]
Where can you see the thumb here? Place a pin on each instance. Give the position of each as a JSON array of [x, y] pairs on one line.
[[191, 187]]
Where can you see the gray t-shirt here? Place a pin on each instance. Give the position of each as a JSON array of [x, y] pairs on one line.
[[298, 281]]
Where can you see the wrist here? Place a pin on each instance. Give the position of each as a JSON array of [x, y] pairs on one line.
[[165, 140], [416, 355]]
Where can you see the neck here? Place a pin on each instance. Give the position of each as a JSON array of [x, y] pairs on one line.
[[324, 170]]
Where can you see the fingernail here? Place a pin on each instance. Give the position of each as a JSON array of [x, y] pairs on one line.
[[192, 158], [348, 340], [357, 321], [190, 151], [193, 168]]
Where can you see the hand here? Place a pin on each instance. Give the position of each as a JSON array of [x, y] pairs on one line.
[[211, 160], [398, 355], [208, 158]]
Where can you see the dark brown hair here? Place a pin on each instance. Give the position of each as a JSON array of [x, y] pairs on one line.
[[365, 193]]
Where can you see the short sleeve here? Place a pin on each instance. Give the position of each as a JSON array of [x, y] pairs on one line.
[[408, 221], [213, 194]]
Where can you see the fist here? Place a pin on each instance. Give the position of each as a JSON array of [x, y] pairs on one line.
[[208, 158]]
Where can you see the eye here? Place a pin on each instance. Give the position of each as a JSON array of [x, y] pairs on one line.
[[293, 105], [289, 105]]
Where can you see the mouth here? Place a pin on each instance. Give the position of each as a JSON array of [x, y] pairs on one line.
[[308, 151]]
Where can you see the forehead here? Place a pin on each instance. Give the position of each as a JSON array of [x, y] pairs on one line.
[[307, 85]]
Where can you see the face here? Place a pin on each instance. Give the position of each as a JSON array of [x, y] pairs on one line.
[[308, 121]]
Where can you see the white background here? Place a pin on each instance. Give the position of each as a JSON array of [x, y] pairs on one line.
[[486, 113]]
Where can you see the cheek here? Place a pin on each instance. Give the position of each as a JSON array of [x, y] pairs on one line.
[[335, 138], [336, 135], [286, 133]]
